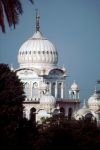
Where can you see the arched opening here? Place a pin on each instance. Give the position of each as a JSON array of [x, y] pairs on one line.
[[88, 116], [33, 114], [27, 89], [70, 112], [62, 110], [59, 90], [53, 89], [35, 89]]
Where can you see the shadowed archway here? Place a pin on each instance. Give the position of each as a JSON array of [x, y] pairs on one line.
[[33, 114], [62, 110]]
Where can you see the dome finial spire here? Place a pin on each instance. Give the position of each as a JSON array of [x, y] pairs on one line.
[[95, 89], [37, 20]]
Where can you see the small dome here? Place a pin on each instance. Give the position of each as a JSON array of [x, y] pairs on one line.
[[47, 98], [94, 101], [83, 111], [74, 86]]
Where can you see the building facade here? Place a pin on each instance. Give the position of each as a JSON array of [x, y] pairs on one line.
[[44, 83]]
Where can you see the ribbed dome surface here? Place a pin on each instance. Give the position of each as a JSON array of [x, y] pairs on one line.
[[48, 98], [94, 99], [83, 111], [37, 52]]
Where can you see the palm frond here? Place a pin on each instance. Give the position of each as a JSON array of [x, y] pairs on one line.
[[2, 18], [12, 9], [32, 1]]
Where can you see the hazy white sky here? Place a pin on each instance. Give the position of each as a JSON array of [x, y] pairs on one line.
[[73, 26]]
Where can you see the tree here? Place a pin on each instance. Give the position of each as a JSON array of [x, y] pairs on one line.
[[12, 10], [58, 132], [11, 106], [27, 134]]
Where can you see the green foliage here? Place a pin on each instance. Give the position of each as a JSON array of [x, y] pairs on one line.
[[60, 133], [27, 134], [11, 96], [11, 107]]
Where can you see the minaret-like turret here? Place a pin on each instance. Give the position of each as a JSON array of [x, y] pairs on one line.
[[74, 92]]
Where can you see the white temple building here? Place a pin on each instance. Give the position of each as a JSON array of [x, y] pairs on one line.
[[45, 83]]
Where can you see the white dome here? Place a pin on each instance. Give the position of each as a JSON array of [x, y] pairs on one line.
[[47, 98], [37, 52], [74, 86], [94, 101], [83, 111]]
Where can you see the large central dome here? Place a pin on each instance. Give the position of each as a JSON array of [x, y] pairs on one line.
[[37, 52]]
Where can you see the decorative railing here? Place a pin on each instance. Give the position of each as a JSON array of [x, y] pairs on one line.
[[37, 99], [67, 100], [34, 99]]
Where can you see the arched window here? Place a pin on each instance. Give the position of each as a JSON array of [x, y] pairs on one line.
[[62, 110], [27, 89], [70, 112], [59, 90], [53, 89], [88, 115], [35, 89]]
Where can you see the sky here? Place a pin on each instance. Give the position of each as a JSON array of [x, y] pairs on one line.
[[73, 26]]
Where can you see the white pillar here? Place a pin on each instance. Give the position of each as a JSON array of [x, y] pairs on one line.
[[69, 94], [50, 87], [62, 90], [30, 89], [78, 95], [56, 91]]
